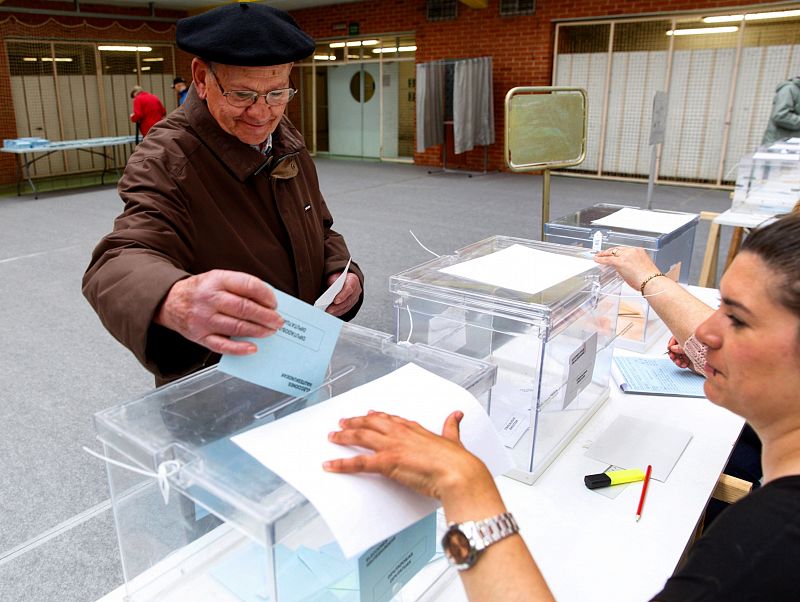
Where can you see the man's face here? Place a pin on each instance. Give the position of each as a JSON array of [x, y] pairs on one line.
[[179, 87], [251, 124]]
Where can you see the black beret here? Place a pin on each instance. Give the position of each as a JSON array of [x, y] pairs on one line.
[[245, 34]]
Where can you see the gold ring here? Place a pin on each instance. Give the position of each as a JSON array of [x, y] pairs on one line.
[[614, 252]]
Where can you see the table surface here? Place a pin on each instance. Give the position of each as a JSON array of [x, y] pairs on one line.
[[743, 220], [581, 538], [72, 144]]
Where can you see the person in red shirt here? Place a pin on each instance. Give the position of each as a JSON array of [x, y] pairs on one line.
[[147, 109]]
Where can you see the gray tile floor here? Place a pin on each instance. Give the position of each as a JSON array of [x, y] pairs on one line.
[[60, 366]]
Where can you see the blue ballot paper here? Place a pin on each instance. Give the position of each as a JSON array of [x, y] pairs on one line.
[[325, 575], [657, 376], [295, 359]]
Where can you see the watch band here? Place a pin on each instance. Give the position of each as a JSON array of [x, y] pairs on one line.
[[475, 537], [491, 530]]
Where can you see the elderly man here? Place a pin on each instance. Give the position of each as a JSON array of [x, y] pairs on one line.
[[220, 197]]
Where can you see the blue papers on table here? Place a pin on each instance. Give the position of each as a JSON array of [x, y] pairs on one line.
[[364, 509], [521, 268], [656, 376], [295, 359]]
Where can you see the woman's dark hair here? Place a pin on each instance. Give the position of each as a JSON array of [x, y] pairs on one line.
[[778, 245]]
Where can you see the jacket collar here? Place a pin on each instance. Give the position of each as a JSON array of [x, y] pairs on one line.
[[240, 158]]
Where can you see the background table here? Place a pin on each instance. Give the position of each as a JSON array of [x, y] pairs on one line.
[[26, 157]]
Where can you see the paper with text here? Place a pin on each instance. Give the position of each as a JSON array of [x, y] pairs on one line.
[[642, 219], [295, 359], [657, 376], [362, 510], [521, 268], [334, 289]]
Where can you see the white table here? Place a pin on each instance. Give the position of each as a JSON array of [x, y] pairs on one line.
[[26, 157], [588, 546]]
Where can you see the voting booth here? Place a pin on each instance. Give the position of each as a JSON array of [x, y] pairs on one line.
[[768, 181], [218, 525], [667, 236], [544, 314]]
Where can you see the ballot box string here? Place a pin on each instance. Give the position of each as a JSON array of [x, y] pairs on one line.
[[166, 469]]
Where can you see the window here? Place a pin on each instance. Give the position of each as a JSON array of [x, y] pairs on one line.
[[442, 10], [510, 8]]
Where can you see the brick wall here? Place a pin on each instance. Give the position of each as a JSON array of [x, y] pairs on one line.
[[521, 47]]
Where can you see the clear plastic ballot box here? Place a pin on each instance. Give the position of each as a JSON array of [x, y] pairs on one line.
[[232, 530], [552, 347], [639, 326], [768, 181]]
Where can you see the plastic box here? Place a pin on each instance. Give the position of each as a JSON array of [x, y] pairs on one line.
[[232, 530], [768, 182], [639, 326], [552, 348]]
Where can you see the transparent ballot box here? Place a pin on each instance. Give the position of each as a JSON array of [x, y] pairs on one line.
[[638, 326], [218, 525], [768, 181], [552, 345]]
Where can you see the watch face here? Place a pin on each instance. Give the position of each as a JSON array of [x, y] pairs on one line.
[[456, 545]]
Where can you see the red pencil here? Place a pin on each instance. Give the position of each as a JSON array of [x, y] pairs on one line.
[[644, 492]]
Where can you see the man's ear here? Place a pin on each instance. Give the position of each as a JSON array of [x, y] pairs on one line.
[[200, 72]]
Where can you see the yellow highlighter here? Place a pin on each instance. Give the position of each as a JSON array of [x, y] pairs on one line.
[[613, 477]]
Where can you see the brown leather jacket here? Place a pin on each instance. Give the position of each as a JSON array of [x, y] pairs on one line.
[[197, 199]]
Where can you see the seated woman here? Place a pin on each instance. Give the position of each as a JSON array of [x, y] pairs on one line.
[[682, 312], [752, 368]]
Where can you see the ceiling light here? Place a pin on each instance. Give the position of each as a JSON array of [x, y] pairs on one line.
[[125, 48], [399, 49], [336, 44], [58, 59], [145, 68], [783, 14], [324, 57], [370, 42], [702, 30], [29, 59], [155, 59]]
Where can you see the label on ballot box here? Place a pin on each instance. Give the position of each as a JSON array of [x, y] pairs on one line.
[[389, 565]]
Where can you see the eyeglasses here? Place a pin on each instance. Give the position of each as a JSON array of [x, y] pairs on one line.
[[246, 98]]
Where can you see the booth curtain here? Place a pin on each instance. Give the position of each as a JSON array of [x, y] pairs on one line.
[[473, 109], [430, 105]]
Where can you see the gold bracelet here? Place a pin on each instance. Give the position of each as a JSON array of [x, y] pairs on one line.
[[648, 279]]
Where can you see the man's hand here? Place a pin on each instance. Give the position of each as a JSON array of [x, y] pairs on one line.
[[347, 297], [210, 308]]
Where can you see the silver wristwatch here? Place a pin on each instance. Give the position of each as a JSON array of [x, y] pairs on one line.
[[464, 542]]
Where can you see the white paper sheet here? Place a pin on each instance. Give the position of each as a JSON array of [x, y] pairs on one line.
[[648, 221], [362, 510], [634, 443], [521, 268], [328, 296]]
